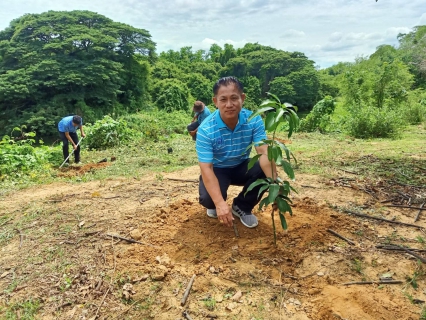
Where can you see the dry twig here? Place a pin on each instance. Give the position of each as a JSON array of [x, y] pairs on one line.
[[188, 289], [382, 219], [130, 240], [418, 213], [374, 282], [341, 237]]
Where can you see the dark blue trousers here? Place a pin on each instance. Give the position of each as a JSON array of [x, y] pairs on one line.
[[238, 176]]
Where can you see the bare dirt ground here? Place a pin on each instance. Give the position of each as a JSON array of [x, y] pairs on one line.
[[57, 250]]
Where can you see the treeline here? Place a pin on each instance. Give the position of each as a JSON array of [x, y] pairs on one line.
[[59, 63], [384, 92], [79, 62]]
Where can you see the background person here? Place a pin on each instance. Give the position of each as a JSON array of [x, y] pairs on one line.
[[201, 113], [67, 131], [223, 154]]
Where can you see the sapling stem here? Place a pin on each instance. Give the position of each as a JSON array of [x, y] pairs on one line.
[[273, 226]]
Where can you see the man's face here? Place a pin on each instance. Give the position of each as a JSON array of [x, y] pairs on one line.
[[229, 100], [74, 124]]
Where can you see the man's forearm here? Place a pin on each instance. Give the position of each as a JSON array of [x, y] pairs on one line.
[[67, 135]]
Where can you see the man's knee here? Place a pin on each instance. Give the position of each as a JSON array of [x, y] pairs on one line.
[[256, 171]]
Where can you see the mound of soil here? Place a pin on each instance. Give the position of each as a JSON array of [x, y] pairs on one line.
[[75, 170]]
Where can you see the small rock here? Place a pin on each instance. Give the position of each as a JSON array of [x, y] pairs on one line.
[[218, 298], [163, 260], [320, 274], [297, 302], [142, 278], [237, 296], [231, 306], [212, 269], [314, 291], [136, 234], [159, 273]]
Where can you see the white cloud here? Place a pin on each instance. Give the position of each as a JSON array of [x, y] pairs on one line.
[[292, 33], [327, 31]]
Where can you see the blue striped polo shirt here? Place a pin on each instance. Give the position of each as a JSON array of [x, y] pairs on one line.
[[226, 148]]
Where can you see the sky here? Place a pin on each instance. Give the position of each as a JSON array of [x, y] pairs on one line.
[[327, 31]]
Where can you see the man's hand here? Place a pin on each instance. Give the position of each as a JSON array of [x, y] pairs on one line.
[[192, 133], [74, 146], [224, 213], [83, 135]]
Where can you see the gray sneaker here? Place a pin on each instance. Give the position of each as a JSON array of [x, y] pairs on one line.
[[247, 218], [212, 213]]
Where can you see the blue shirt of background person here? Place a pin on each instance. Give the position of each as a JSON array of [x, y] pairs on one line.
[[65, 125], [202, 115]]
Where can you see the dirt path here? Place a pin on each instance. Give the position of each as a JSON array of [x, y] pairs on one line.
[[65, 260]]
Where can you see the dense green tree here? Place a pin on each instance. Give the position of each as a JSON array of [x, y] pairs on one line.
[[413, 51], [56, 63], [172, 95]]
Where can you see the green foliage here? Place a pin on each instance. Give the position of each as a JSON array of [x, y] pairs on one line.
[[319, 117], [369, 122], [107, 133], [171, 95], [278, 153], [27, 310], [19, 155], [414, 112], [156, 125], [54, 63]]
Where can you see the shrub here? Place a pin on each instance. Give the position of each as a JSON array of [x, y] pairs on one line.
[[107, 133], [371, 122], [414, 111], [19, 154], [319, 117], [158, 124]]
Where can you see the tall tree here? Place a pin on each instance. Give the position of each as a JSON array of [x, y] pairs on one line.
[[57, 63]]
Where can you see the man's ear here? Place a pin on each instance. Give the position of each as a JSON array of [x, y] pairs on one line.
[[215, 101], [243, 97]]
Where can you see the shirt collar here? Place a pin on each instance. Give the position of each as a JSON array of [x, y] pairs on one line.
[[242, 119]]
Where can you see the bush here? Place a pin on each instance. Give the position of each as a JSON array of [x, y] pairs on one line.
[[158, 124], [19, 154], [319, 117], [371, 122], [415, 110], [108, 133]]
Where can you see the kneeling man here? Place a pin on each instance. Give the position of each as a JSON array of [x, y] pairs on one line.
[[223, 154]]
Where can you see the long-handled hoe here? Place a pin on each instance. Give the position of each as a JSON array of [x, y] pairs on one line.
[[70, 154]]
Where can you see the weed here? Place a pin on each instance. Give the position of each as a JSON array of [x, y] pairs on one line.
[[423, 314], [357, 265], [210, 304], [23, 310], [420, 240]]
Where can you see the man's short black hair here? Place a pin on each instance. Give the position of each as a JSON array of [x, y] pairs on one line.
[[226, 81], [76, 120]]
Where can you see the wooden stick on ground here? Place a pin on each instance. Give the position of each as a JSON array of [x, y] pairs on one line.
[[188, 289], [235, 229], [186, 315], [374, 282], [414, 255], [397, 248], [130, 240], [341, 237], [382, 219], [418, 213], [102, 302], [183, 180], [402, 206]]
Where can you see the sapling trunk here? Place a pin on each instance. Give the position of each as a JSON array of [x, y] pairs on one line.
[[273, 226]]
